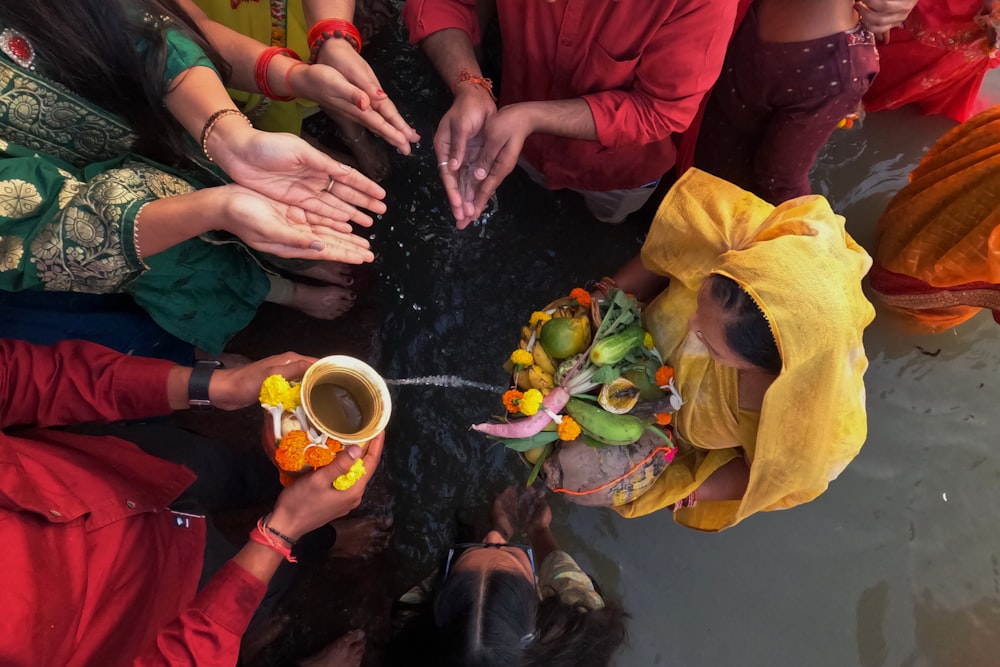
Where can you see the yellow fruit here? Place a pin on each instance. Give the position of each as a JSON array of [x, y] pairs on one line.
[[563, 337], [532, 454], [542, 359], [540, 380], [522, 381]]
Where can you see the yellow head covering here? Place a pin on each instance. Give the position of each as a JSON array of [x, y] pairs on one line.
[[804, 271]]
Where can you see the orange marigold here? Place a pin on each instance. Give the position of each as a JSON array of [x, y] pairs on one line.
[[290, 459], [581, 296], [318, 456], [664, 374], [664, 418], [334, 446], [568, 428], [296, 438], [512, 400]]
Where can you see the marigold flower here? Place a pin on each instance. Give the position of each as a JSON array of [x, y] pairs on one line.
[[521, 357], [581, 296], [664, 418], [512, 400], [531, 402], [568, 428], [273, 390], [647, 341], [334, 446], [318, 456], [292, 398], [664, 374], [351, 477], [294, 439], [291, 459], [538, 316]]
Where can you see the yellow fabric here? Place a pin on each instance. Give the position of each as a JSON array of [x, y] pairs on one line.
[[253, 19], [804, 271]]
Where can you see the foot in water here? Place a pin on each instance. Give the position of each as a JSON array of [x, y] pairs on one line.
[[361, 537], [323, 303], [329, 272], [368, 150], [345, 651]]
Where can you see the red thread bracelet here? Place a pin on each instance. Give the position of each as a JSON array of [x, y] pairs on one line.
[[465, 76], [260, 71], [331, 28], [261, 536]]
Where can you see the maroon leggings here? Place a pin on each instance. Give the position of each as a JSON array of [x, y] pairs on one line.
[[776, 104]]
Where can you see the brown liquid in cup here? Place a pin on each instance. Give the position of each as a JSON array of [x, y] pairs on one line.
[[338, 410]]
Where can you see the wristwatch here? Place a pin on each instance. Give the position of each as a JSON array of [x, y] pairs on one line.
[[201, 376]]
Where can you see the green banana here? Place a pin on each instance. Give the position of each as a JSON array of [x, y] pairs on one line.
[[604, 426]]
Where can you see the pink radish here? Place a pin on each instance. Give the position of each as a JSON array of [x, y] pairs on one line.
[[522, 428]]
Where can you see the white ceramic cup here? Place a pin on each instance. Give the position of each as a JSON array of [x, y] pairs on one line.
[[365, 386]]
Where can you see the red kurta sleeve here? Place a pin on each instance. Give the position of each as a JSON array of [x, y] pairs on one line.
[[674, 72], [75, 382], [209, 631], [423, 17]]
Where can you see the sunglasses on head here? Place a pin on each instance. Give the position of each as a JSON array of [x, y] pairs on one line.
[[457, 550]]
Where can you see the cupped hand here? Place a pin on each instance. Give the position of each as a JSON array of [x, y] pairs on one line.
[[881, 16], [235, 388], [457, 142], [504, 135], [287, 169], [311, 501], [290, 231], [365, 102]]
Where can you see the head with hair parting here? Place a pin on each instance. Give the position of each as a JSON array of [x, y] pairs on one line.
[[733, 328]]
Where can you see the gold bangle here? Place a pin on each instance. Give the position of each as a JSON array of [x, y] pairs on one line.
[[135, 234], [210, 124]]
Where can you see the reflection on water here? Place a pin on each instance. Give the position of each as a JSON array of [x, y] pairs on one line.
[[894, 565]]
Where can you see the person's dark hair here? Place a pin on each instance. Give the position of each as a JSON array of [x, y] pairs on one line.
[[573, 636], [484, 619], [747, 330], [89, 46]]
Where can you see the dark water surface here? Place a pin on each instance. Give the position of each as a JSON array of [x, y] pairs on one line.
[[896, 565]]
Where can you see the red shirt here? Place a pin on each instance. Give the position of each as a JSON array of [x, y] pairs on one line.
[[643, 67], [94, 569]]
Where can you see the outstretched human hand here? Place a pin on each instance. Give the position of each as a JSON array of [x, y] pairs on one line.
[[503, 136], [881, 16], [289, 231], [457, 143], [354, 92], [287, 169], [311, 501], [235, 388]]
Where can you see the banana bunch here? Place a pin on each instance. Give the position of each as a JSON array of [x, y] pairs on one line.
[[541, 374]]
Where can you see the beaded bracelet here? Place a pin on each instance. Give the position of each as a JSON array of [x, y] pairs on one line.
[[277, 532], [465, 76], [605, 285], [331, 28], [261, 536], [210, 124], [260, 71]]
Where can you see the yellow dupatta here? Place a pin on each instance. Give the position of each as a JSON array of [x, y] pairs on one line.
[[804, 271]]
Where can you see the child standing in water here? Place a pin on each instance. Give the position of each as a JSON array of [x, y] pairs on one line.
[[794, 70]]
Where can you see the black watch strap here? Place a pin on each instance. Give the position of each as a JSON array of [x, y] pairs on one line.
[[201, 376]]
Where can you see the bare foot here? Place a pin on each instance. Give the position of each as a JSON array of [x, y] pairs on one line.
[[345, 651], [368, 151], [330, 272], [323, 303], [503, 511], [362, 537]]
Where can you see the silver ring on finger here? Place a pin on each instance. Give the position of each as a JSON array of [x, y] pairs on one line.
[[329, 186]]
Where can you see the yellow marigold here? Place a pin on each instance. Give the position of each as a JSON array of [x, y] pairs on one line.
[[538, 316], [664, 374], [568, 428], [521, 358], [351, 477], [512, 400], [581, 296], [664, 418], [531, 402], [318, 456], [273, 390], [292, 398], [647, 341]]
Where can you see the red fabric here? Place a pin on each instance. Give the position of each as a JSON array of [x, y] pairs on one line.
[[92, 565], [891, 283], [642, 66], [937, 61]]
